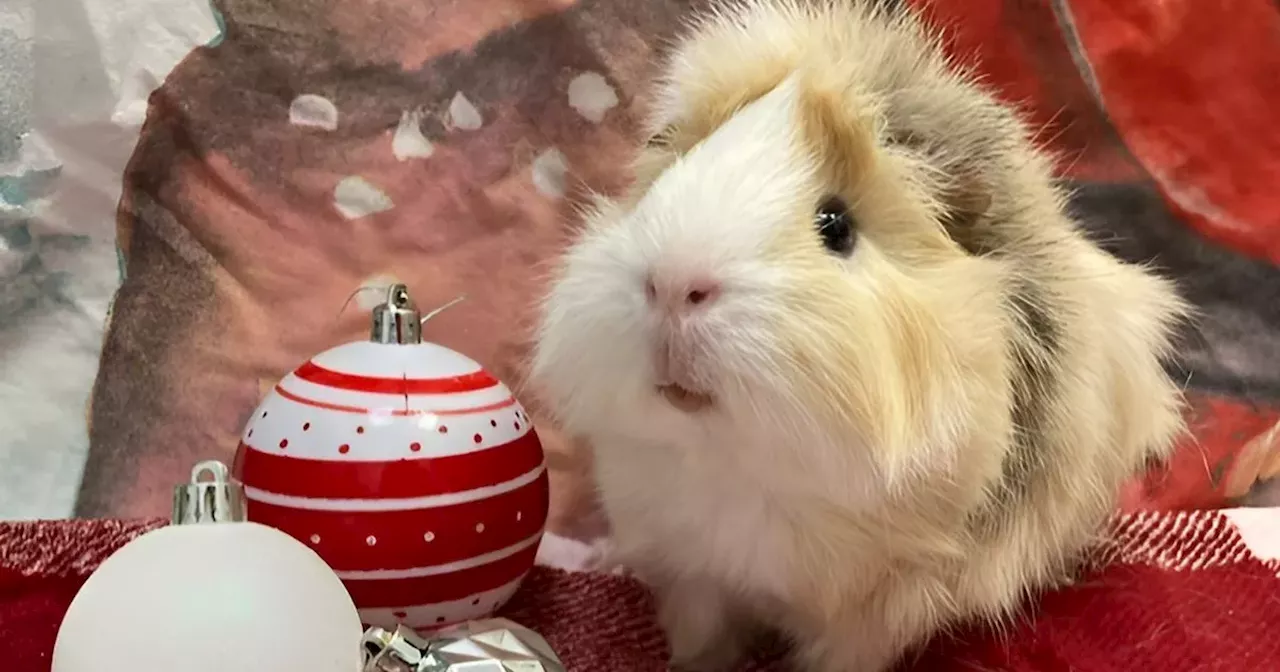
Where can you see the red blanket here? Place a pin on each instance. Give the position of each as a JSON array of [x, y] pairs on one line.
[[1179, 592]]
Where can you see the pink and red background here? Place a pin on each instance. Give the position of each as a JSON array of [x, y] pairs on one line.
[[238, 257]]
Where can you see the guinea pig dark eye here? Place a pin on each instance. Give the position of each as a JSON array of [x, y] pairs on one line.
[[836, 226]]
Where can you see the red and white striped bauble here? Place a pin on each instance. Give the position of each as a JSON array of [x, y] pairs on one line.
[[409, 469]]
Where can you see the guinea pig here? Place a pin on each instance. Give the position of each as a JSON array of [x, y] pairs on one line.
[[849, 370]]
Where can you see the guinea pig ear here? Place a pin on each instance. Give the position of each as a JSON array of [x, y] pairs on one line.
[[842, 140], [965, 206], [966, 199]]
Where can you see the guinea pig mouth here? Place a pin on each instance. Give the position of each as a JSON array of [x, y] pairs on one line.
[[685, 399]]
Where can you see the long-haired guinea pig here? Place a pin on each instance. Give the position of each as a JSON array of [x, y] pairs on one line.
[[848, 369]]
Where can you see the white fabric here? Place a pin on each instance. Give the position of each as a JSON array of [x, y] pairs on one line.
[[84, 70], [1260, 529]]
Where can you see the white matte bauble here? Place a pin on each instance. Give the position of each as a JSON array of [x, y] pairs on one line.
[[203, 595]]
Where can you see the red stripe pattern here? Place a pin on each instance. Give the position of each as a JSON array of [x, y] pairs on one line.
[[470, 382], [284, 474], [383, 593], [361, 410], [415, 537]]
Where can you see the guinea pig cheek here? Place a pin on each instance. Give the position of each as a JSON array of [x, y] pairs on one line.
[[837, 347]]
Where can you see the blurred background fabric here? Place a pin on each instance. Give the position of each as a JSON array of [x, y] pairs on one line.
[[189, 192], [74, 80]]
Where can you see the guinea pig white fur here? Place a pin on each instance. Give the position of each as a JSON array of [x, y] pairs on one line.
[[848, 369]]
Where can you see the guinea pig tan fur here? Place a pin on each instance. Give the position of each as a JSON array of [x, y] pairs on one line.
[[848, 369]]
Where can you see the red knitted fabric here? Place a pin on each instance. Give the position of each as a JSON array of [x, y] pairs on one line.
[[1180, 592]]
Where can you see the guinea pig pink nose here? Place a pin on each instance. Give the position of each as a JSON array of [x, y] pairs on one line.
[[685, 296]]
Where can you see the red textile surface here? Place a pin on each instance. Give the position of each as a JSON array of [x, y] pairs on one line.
[[1193, 88], [1181, 592]]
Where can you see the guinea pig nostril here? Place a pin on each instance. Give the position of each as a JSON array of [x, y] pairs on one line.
[[702, 293], [680, 295]]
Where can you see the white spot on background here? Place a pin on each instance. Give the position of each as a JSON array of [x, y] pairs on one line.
[[549, 172], [314, 111], [355, 197], [464, 115], [373, 291], [591, 95], [409, 142]]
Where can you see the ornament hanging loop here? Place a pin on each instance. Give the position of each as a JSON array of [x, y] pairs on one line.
[[396, 320], [219, 499], [401, 650]]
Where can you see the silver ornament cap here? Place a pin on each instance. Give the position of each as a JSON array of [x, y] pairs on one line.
[[396, 320], [488, 645], [215, 499]]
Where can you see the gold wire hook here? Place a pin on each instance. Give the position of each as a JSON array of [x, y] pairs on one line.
[[441, 309], [352, 295]]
